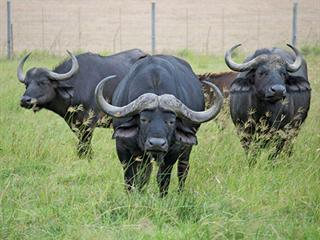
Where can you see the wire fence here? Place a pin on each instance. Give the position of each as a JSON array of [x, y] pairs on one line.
[[205, 26]]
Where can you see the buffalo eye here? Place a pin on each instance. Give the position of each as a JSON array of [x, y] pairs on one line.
[[262, 73], [41, 83], [283, 74], [171, 122], [144, 120]]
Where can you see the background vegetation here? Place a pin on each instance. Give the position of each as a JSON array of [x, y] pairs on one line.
[[46, 192]]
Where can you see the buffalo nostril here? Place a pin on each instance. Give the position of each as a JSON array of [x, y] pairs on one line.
[[26, 99], [155, 143], [278, 89], [162, 142]]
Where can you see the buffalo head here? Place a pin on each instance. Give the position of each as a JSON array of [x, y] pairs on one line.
[[157, 121], [267, 74], [41, 83]]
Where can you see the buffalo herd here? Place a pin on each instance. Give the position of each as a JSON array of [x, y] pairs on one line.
[[156, 104]]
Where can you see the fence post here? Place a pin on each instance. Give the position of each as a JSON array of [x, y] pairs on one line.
[[258, 28], [0, 36], [294, 23], [207, 41], [9, 30], [223, 25], [153, 26], [120, 29], [79, 28], [42, 27], [187, 29]]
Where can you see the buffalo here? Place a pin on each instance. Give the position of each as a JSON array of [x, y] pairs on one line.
[[222, 80], [270, 98], [68, 90], [156, 111]]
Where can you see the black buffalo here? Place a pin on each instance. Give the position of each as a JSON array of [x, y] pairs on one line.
[[68, 90], [157, 109], [271, 93]]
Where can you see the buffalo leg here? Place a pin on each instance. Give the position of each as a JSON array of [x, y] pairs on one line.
[[251, 151], [282, 145], [136, 174], [143, 174], [130, 174], [145, 171], [163, 178], [129, 167], [84, 148], [183, 168], [129, 164]]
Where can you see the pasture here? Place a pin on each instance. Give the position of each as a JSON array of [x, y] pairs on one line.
[[47, 192]]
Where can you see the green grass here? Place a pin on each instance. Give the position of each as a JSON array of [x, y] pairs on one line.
[[46, 192]]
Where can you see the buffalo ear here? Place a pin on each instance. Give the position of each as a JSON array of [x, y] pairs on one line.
[[126, 130], [297, 84], [187, 138], [185, 134], [65, 92], [63, 89]]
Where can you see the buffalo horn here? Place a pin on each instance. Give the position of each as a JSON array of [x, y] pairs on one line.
[[243, 66], [66, 76], [165, 101], [20, 75], [145, 101], [297, 63], [170, 102]]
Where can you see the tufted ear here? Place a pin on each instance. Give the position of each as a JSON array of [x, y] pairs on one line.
[[186, 135], [241, 84], [65, 92], [64, 89], [126, 130], [297, 84]]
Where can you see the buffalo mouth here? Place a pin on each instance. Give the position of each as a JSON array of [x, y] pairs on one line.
[[156, 152], [274, 98], [36, 108], [157, 156], [32, 104]]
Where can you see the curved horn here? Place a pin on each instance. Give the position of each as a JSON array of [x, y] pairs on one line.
[[297, 63], [171, 103], [66, 76], [20, 75], [145, 101], [243, 66]]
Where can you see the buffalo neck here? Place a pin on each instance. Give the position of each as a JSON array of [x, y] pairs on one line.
[[59, 105]]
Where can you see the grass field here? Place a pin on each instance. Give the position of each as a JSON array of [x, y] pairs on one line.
[[46, 192]]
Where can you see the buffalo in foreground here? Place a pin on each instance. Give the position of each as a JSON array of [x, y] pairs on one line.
[[157, 109], [270, 97], [68, 90]]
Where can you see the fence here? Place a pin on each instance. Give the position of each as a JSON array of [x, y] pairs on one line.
[[207, 26]]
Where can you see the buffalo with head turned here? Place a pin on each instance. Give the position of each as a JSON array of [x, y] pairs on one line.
[[222, 80], [72, 84], [271, 93], [157, 109]]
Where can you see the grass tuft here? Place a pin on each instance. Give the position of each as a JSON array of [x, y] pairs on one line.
[[47, 192]]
